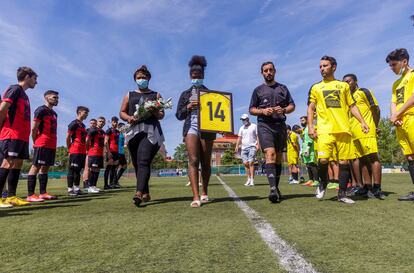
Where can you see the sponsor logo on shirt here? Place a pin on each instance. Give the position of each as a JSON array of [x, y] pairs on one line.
[[332, 99], [400, 95]]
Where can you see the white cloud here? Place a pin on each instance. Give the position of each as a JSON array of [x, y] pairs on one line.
[[156, 15]]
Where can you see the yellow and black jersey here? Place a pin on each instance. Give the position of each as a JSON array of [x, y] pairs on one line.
[[292, 142], [402, 90], [364, 100], [332, 99]]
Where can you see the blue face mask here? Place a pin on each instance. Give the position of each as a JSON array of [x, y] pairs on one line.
[[142, 83], [197, 82]]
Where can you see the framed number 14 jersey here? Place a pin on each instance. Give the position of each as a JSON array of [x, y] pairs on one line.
[[215, 111]]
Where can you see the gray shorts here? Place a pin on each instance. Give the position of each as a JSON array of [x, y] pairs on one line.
[[193, 130], [248, 154]]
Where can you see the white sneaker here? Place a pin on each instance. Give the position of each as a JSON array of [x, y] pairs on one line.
[[188, 184], [346, 200], [293, 181], [92, 190], [247, 182], [70, 189], [251, 183], [76, 189], [97, 189], [320, 192]]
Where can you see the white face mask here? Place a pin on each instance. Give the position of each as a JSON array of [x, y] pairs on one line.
[[401, 71]]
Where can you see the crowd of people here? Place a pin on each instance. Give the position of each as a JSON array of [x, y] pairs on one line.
[[339, 135]]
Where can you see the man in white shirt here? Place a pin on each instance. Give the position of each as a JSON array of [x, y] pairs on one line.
[[249, 146]]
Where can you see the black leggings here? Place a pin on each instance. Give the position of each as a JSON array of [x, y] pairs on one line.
[[142, 153]]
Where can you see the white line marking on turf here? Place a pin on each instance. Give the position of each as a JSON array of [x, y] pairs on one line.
[[291, 260]]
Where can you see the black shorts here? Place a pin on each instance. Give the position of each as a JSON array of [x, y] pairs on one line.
[[77, 160], [115, 156], [14, 148], [122, 159], [272, 136], [95, 161], [43, 156]]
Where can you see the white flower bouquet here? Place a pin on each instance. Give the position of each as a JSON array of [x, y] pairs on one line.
[[145, 110]]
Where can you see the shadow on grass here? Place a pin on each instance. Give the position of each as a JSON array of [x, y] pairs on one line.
[[189, 199], [293, 196], [16, 211]]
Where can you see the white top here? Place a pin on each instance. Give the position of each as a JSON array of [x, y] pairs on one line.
[[248, 135]]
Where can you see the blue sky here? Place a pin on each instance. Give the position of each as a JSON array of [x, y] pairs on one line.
[[88, 50]]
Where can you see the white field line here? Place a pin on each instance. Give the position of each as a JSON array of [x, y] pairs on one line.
[[289, 259]]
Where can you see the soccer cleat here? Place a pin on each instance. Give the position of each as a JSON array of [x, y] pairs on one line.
[[34, 198], [315, 184], [274, 196], [370, 195], [188, 184], [251, 183], [4, 204], [16, 201], [72, 193], [309, 183], [320, 192], [293, 181], [92, 189], [332, 186], [47, 196], [117, 186], [345, 200], [379, 194], [407, 197]]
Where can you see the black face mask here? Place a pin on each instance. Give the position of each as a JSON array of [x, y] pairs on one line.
[[303, 125]]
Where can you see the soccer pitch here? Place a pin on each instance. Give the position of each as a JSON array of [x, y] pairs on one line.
[[107, 233]]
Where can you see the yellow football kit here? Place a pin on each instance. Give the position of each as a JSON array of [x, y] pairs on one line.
[[402, 90], [332, 100], [364, 144], [292, 153]]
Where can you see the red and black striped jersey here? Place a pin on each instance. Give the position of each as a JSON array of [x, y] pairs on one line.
[[77, 132], [47, 132], [113, 135], [17, 122], [97, 139]]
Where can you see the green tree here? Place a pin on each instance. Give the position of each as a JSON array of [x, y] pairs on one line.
[[229, 158], [158, 162], [181, 155], [388, 147]]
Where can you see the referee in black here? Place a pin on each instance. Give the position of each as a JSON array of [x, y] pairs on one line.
[[270, 102]]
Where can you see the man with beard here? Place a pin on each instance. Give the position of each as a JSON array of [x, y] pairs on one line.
[[332, 101], [44, 135], [270, 102]]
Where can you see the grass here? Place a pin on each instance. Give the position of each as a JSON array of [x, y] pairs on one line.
[[106, 233]]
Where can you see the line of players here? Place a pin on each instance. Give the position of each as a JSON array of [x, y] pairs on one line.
[[365, 179], [87, 148]]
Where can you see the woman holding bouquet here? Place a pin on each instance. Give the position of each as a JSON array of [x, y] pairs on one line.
[[145, 135], [199, 144]]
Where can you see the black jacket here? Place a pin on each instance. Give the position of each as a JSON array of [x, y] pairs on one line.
[[184, 114]]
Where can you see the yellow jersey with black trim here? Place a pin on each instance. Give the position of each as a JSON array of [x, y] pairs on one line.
[[332, 100], [364, 100], [292, 139], [402, 90]]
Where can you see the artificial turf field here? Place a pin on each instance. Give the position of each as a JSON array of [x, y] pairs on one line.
[[107, 233]]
